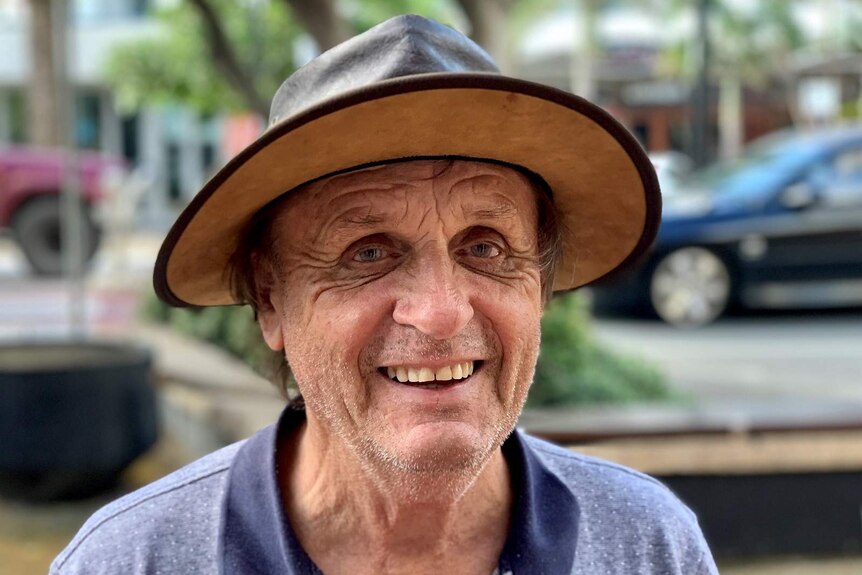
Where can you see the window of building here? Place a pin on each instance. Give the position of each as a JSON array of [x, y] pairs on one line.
[[17, 117], [88, 121]]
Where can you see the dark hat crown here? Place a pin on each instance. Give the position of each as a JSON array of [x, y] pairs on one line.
[[402, 46]]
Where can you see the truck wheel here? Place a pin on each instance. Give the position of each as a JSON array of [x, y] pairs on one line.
[[37, 228]]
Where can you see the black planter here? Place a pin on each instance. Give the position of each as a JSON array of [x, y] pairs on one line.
[[72, 417], [776, 513]]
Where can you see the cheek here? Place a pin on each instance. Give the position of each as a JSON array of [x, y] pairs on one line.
[[518, 305], [329, 333], [516, 318]]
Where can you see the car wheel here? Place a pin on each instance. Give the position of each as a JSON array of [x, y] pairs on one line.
[[38, 231], [690, 287]]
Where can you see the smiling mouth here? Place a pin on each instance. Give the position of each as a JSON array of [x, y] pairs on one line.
[[432, 378]]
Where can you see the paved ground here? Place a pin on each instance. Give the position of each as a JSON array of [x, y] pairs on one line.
[[809, 356]]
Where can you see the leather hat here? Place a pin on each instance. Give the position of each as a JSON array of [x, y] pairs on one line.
[[413, 88]]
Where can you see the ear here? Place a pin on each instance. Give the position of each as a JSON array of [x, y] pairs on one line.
[[269, 316], [270, 327]]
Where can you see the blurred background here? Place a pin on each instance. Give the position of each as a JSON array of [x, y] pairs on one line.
[[729, 363]]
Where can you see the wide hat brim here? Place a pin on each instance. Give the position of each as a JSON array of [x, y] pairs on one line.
[[603, 184]]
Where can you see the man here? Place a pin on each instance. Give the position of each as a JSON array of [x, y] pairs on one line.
[[398, 230]]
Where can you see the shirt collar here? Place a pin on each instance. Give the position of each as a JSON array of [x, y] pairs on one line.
[[256, 538]]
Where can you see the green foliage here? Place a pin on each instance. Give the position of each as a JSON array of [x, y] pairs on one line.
[[749, 42], [572, 370], [233, 328], [364, 14], [176, 66], [526, 12]]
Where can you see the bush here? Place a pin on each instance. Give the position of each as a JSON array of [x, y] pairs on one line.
[[232, 328], [573, 369]]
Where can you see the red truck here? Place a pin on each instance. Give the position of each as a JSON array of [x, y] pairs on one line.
[[31, 205]]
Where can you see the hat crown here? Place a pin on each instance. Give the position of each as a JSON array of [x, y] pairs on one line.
[[406, 45]]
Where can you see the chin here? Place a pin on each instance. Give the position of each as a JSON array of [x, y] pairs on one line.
[[440, 447]]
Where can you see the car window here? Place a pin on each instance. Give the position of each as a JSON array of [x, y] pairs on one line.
[[839, 180], [766, 164]]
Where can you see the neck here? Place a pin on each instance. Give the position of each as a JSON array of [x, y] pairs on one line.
[[347, 513]]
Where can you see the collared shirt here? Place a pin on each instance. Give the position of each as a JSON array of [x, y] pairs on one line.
[[263, 542], [224, 514]]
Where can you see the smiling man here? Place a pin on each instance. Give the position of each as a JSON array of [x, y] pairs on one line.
[[398, 230]]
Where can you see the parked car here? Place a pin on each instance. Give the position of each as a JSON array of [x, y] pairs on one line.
[[779, 228], [672, 168], [31, 206]]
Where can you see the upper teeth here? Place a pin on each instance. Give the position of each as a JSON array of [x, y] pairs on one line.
[[420, 374]]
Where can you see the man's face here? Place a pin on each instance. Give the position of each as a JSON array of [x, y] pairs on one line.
[[421, 270]]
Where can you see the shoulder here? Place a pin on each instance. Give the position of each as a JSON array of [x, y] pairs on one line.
[[592, 476], [626, 517], [172, 522]]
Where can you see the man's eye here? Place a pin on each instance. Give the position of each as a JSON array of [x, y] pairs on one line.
[[369, 254], [484, 250]]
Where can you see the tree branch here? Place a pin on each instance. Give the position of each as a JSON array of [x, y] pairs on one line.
[[226, 60], [321, 19]]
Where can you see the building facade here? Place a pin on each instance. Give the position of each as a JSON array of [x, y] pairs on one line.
[[171, 149]]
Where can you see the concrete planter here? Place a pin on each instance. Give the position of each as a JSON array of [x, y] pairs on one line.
[[785, 479], [72, 417]]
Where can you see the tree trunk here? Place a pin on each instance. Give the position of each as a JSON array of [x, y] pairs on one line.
[[42, 88], [489, 21], [321, 19], [730, 119]]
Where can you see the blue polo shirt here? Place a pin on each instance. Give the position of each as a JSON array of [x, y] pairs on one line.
[[223, 514], [541, 540]]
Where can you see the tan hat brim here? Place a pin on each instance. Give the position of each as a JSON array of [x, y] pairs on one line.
[[603, 184]]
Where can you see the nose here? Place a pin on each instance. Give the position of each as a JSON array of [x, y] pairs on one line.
[[433, 302]]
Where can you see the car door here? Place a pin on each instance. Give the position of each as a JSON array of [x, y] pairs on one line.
[[810, 253]]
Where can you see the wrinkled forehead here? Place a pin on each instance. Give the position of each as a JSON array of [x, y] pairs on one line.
[[457, 186]]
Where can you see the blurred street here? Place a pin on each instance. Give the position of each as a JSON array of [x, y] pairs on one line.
[[792, 355], [35, 307]]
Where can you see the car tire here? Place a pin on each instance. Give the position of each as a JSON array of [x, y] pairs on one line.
[[37, 229], [690, 287]]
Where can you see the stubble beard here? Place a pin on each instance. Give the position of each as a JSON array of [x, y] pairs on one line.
[[442, 474]]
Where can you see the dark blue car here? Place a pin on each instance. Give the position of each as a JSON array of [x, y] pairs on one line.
[[779, 228]]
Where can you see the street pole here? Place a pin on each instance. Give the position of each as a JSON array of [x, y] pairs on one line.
[[71, 223], [700, 94]]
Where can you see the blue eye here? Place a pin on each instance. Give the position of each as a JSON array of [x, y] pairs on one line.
[[484, 250], [369, 254]]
